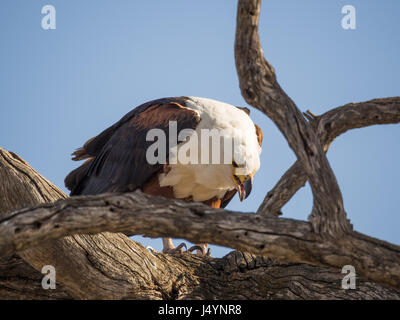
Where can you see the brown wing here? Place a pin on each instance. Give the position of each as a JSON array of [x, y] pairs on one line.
[[117, 156]]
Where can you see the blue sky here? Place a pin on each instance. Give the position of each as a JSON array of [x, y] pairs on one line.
[[61, 87]]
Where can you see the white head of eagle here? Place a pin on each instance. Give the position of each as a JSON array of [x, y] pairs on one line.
[[116, 158]]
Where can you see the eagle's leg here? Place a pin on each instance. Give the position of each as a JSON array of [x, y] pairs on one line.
[[168, 246]]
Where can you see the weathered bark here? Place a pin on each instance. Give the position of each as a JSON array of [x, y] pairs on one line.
[[278, 238], [111, 266], [330, 125], [260, 89], [19, 189], [18, 280]]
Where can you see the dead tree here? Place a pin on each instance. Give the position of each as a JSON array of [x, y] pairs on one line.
[[84, 237]]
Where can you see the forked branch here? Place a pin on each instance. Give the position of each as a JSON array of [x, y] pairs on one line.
[[329, 126], [261, 90]]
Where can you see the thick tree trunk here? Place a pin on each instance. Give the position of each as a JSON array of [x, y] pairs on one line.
[[111, 266]]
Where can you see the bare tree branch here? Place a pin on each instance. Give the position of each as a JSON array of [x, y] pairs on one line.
[[110, 266], [260, 89], [329, 126], [138, 213]]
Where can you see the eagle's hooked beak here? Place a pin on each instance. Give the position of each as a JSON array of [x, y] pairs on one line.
[[244, 188], [243, 183]]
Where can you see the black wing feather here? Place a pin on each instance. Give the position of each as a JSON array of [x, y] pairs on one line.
[[119, 153]]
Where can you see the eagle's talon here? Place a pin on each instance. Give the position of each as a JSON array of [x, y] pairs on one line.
[[178, 249], [198, 248], [149, 248]]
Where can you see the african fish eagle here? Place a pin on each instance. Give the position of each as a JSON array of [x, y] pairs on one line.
[[117, 157]]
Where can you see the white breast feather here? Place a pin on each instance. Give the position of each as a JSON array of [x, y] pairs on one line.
[[205, 181]]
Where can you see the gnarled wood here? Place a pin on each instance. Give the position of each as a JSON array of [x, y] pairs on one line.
[[18, 280], [138, 213], [22, 187], [260, 89], [111, 266], [329, 126]]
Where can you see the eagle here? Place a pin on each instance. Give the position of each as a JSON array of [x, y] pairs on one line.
[[117, 160]]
